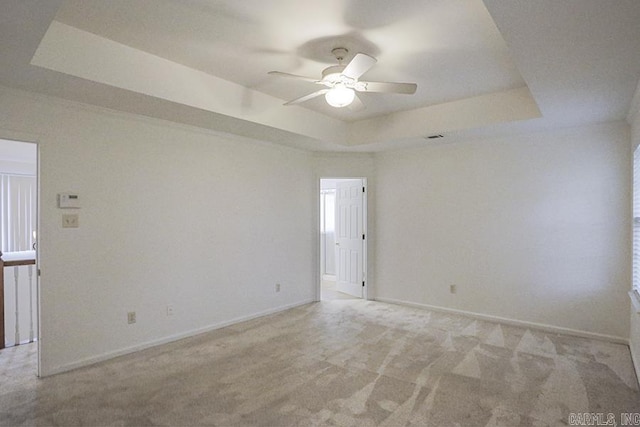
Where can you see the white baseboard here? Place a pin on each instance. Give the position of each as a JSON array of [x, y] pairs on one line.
[[141, 346], [636, 366], [121, 352], [512, 322]]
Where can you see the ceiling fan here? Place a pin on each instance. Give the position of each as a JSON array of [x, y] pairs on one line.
[[341, 82]]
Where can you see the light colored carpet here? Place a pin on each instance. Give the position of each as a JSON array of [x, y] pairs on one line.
[[329, 291], [341, 362]]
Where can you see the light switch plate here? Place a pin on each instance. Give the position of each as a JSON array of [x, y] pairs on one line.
[[70, 221]]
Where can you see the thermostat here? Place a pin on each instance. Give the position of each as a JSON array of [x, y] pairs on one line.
[[68, 201]]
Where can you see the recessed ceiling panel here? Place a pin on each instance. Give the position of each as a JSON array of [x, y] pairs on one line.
[[450, 48]]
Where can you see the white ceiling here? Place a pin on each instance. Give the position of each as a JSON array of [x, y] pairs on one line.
[[415, 41], [499, 65]]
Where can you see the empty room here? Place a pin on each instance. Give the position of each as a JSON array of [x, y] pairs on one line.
[[291, 213]]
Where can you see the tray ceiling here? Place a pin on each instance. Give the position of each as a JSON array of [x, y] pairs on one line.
[[478, 65]]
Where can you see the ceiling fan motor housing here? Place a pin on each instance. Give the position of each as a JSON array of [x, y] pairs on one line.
[[333, 74]]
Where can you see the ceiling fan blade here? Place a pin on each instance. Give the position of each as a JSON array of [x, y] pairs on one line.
[[357, 105], [387, 87], [359, 65], [307, 97], [293, 76]]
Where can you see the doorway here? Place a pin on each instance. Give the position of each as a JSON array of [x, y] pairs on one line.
[[343, 261], [19, 291]]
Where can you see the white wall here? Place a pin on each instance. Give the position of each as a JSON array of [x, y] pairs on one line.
[[169, 214], [533, 228]]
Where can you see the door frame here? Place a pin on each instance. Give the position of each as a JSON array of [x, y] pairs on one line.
[[29, 138], [365, 230]]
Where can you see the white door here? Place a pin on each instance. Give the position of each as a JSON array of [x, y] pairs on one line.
[[350, 237]]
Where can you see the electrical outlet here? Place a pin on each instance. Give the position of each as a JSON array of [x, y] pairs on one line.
[[277, 287], [453, 289], [70, 221], [131, 317], [169, 309]]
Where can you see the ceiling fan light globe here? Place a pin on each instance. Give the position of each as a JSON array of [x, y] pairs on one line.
[[340, 96]]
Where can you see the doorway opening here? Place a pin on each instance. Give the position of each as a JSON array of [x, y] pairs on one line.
[[343, 238], [19, 291]]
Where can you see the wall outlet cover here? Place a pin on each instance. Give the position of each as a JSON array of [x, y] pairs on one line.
[[70, 221]]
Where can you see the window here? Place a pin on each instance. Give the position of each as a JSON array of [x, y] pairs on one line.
[[18, 209], [635, 292]]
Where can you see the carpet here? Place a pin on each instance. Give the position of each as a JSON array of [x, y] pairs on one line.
[[342, 362]]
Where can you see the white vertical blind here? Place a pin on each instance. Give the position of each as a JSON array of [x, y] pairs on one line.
[[636, 219], [18, 209]]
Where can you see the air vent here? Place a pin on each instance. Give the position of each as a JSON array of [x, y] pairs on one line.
[[434, 136]]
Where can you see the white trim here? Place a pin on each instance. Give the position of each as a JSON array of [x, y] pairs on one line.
[[317, 250], [31, 138], [365, 228], [635, 300], [512, 322], [38, 251], [365, 242], [153, 343], [636, 364]]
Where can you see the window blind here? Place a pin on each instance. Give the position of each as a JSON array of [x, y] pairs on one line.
[[18, 209], [636, 219]]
